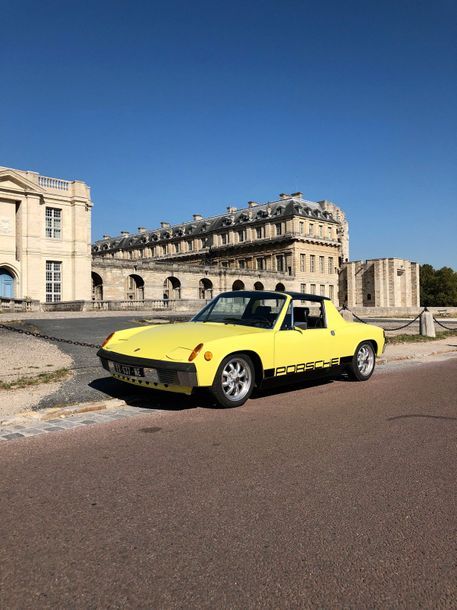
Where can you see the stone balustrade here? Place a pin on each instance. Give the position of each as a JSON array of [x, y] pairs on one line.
[[8, 305], [53, 183]]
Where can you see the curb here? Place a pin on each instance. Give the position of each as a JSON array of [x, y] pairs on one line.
[[62, 412], [415, 357]]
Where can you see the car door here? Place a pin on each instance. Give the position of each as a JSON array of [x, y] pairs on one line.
[[301, 350]]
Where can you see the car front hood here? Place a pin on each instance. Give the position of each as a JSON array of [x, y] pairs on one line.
[[173, 341]]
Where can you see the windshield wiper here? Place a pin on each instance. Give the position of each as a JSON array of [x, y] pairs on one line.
[[233, 321]]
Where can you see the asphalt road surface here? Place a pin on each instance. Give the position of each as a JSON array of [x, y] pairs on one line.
[[332, 495]]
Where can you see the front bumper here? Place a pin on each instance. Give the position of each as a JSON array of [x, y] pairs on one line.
[[152, 372]]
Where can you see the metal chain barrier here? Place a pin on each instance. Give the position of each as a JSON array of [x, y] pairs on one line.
[[443, 325], [21, 331], [387, 329]]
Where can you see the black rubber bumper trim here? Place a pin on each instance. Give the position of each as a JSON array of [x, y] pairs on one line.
[[187, 367]]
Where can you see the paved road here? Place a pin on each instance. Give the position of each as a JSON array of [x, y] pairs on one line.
[[336, 495]]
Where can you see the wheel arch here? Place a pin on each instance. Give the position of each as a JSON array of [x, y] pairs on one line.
[[374, 343], [256, 361]]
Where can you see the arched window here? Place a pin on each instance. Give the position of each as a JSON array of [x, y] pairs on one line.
[[258, 286], [172, 288], [238, 285], [97, 287], [6, 283], [280, 287], [205, 288], [135, 288]]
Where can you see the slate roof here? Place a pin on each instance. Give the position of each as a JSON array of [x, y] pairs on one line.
[[283, 208]]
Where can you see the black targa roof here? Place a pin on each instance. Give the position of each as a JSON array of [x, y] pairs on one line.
[[271, 294]]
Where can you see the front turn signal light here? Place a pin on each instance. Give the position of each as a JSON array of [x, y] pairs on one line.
[[208, 356], [195, 352], [107, 339]]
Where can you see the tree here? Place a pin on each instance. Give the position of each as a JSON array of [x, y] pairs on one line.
[[438, 286]]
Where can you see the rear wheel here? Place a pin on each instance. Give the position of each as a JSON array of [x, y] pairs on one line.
[[363, 362], [234, 381]]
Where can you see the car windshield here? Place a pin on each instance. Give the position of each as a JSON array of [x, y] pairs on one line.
[[244, 310]]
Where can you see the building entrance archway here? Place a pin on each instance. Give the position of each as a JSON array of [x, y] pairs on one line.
[[135, 288], [97, 287], [7, 283]]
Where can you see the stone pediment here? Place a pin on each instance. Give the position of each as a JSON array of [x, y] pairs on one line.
[[14, 181]]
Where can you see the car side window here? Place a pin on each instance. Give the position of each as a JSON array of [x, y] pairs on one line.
[[305, 315]]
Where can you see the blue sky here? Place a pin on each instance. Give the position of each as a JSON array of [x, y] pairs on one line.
[[175, 107]]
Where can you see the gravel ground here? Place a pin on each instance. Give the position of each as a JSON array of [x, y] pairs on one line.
[[25, 356]]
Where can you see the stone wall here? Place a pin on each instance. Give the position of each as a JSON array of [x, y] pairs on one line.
[[385, 282], [179, 281]]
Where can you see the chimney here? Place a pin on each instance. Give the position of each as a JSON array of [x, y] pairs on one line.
[[106, 236], [252, 204], [165, 225], [142, 229], [284, 196], [125, 233], [298, 195], [197, 217], [231, 209]]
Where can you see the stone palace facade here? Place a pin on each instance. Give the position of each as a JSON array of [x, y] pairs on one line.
[[45, 235], [290, 243], [287, 244]]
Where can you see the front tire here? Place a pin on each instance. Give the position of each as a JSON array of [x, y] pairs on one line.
[[234, 381], [363, 362]]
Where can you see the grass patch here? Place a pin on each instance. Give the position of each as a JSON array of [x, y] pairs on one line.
[[24, 382], [419, 338]]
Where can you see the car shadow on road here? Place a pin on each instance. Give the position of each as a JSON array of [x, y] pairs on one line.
[[145, 398], [283, 386]]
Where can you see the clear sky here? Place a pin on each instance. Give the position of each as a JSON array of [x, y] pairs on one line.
[[176, 107]]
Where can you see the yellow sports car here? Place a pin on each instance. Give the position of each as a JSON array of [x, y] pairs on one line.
[[240, 340]]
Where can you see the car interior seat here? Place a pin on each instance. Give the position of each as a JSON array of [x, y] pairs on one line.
[[262, 312], [301, 317]]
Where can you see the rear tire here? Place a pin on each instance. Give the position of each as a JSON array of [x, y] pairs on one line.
[[363, 362], [234, 381]]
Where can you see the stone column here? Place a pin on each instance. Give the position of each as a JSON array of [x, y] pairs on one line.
[[427, 325], [351, 285]]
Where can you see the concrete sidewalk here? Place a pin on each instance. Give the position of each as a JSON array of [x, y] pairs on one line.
[[419, 352]]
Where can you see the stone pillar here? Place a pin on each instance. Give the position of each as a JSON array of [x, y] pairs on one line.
[[351, 285], [427, 325]]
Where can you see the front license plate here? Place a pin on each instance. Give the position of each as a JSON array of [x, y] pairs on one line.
[[125, 369]]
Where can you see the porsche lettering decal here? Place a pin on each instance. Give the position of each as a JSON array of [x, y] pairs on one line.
[[305, 367]]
